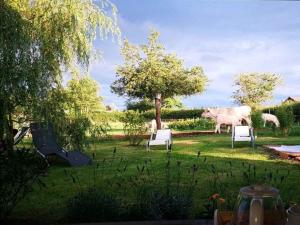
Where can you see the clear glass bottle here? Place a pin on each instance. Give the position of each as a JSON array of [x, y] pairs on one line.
[[259, 205]]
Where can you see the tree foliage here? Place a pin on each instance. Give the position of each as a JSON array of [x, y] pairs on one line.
[[40, 40], [147, 104], [286, 118], [149, 72], [172, 103], [255, 88], [76, 112]]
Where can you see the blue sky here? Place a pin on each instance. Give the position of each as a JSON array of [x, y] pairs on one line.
[[225, 38]]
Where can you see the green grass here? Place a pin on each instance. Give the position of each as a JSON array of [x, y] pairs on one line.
[[50, 202]]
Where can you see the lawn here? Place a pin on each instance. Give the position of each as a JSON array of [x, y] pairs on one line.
[[115, 163]]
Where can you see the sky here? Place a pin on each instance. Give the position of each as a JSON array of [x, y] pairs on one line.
[[225, 38]]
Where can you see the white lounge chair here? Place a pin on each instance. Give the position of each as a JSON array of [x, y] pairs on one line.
[[242, 133], [162, 137]]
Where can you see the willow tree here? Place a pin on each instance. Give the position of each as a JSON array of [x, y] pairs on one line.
[[149, 72], [255, 88], [39, 41]]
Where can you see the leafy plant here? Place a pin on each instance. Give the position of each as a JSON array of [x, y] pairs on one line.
[[19, 171], [134, 126], [257, 121], [286, 118], [93, 205]]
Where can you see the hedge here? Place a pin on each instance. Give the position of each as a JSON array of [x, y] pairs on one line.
[[295, 107], [169, 114]]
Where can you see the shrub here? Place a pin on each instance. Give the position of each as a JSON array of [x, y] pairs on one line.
[[256, 118], [93, 205], [192, 124], [286, 118], [19, 171], [153, 204], [134, 126]]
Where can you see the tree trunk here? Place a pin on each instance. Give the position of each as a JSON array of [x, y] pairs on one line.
[[6, 128], [158, 111]]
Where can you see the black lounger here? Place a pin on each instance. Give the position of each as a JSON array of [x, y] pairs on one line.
[[46, 144]]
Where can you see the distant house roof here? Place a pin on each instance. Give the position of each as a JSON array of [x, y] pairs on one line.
[[293, 98]]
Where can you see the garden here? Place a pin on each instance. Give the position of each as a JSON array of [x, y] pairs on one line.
[[66, 157], [129, 183]]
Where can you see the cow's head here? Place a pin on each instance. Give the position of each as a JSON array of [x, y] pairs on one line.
[[208, 113]]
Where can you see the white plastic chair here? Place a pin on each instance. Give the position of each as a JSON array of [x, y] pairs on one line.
[[162, 137], [242, 133]]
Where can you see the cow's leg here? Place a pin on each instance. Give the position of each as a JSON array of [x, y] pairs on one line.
[[228, 128], [218, 128]]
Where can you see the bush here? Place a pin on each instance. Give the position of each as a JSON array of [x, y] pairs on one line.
[[156, 205], [168, 114], [256, 118], [192, 124], [286, 118], [93, 205], [134, 126], [19, 171]]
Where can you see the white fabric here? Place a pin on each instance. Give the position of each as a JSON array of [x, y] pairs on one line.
[[242, 131], [163, 137], [242, 138], [163, 134]]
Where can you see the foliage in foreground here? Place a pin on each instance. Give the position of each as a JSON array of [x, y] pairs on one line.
[[151, 202], [172, 197], [93, 205], [19, 170]]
